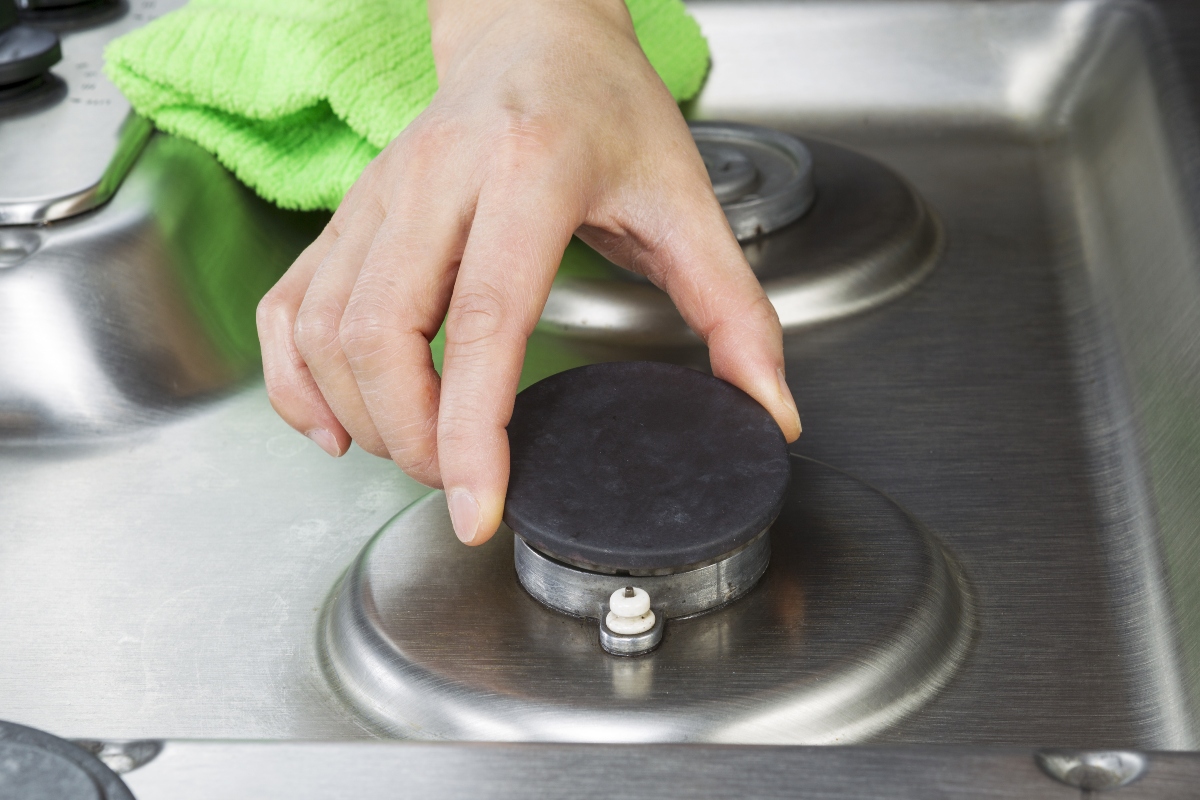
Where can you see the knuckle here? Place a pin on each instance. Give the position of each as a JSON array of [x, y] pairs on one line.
[[363, 197], [364, 329], [270, 308], [758, 316], [762, 311], [456, 432], [337, 223], [475, 316], [525, 137], [423, 146], [439, 129], [316, 330]]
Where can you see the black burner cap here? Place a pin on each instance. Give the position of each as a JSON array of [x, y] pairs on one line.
[[637, 465]]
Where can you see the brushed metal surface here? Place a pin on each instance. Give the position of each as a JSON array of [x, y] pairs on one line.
[[582, 593], [1032, 402], [477, 658], [447, 771], [66, 151]]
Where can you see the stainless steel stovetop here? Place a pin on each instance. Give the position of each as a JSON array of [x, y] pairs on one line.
[[1034, 402]]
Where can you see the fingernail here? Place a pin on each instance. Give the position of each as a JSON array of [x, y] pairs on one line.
[[788, 400], [464, 514], [325, 440]]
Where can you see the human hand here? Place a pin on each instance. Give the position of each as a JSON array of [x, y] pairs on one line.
[[548, 121]]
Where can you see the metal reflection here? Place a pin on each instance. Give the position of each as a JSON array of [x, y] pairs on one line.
[[475, 657], [125, 316]]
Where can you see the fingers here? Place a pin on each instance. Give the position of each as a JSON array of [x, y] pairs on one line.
[[319, 323], [700, 265], [724, 303], [745, 347], [394, 311], [290, 386], [503, 281]]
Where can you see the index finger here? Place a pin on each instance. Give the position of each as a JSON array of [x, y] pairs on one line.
[[502, 286]]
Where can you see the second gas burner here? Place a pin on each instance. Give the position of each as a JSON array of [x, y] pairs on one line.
[[829, 232]]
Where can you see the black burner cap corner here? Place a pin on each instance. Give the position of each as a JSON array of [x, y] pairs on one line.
[[639, 465]]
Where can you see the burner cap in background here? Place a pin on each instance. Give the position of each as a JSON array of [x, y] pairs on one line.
[[642, 466], [35, 765], [867, 238], [26, 53], [763, 178]]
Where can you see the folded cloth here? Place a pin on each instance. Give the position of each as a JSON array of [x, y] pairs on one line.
[[296, 96]]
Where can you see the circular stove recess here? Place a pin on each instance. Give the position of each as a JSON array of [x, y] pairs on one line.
[[859, 619], [865, 238]]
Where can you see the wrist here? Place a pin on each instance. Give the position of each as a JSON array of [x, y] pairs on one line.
[[456, 25]]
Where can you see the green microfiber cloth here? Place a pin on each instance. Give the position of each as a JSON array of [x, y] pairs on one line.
[[296, 96]]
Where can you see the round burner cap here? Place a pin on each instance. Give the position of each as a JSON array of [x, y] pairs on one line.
[[25, 52], [762, 178], [638, 465], [35, 765]]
